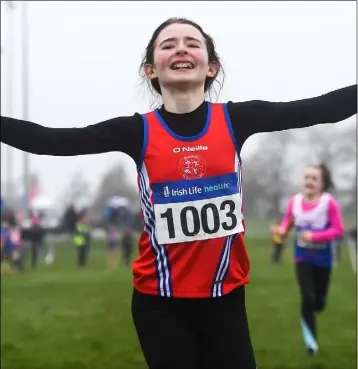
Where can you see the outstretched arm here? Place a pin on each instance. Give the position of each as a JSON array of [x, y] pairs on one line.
[[123, 134], [257, 116]]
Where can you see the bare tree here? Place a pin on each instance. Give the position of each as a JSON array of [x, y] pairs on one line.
[[337, 149], [77, 189], [333, 147], [266, 178], [114, 183]]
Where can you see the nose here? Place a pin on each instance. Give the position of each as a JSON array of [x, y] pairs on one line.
[[181, 49]]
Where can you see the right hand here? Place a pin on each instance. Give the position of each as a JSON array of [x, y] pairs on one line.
[[277, 234]]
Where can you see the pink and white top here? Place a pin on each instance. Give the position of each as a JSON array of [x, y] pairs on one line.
[[333, 215]]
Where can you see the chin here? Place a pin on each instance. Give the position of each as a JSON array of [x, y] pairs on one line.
[[183, 83], [189, 75], [308, 192]]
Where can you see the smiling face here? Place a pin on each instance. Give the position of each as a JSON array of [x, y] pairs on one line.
[[181, 58], [312, 182]]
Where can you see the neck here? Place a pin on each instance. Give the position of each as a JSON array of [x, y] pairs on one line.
[[182, 101], [312, 197]]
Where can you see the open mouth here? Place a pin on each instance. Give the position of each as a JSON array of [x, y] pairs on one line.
[[182, 66]]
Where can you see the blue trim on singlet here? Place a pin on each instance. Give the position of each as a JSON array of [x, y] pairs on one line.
[[222, 267], [182, 138], [145, 142], [163, 269], [231, 131], [163, 273]]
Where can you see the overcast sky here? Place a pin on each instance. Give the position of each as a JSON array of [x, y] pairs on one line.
[[84, 58]]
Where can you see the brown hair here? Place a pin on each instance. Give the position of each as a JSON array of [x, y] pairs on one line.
[[148, 58], [326, 177]]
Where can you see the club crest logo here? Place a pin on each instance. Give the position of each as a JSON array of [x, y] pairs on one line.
[[192, 167]]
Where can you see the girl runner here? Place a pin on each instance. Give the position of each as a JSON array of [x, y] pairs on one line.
[[318, 221], [188, 300]]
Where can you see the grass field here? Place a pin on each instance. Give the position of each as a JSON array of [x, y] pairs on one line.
[[62, 318]]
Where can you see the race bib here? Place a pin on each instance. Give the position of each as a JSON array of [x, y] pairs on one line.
[[198, 209]]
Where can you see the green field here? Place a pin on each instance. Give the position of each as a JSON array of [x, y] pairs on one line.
[[62, 318]]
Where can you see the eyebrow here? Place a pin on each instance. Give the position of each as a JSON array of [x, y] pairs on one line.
[[187, 38]]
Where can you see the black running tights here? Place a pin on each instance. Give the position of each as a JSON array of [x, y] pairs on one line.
[[208, 333]]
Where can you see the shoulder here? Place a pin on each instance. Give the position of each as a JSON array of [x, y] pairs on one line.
[[134, 120], [295, 200], [243, 108], [297, 197], [118, 126], [331, 201]]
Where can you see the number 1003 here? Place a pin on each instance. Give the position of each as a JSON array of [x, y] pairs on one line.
[[201, 219]]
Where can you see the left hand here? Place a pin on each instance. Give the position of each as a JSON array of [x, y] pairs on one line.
[[306, 237]]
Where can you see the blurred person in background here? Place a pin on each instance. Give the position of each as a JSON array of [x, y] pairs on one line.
[[338, 245], [36, 238], [127, 244], [352, 247], [2, 205], [188, 302], [278, 242], [69, 220], [82, 240], [112, 246], [352, 236], [278, 245], [11, 246], [117, 217], [112, 233], [318, 223]]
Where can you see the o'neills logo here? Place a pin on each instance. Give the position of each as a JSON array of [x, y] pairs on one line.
[[190, 148]]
